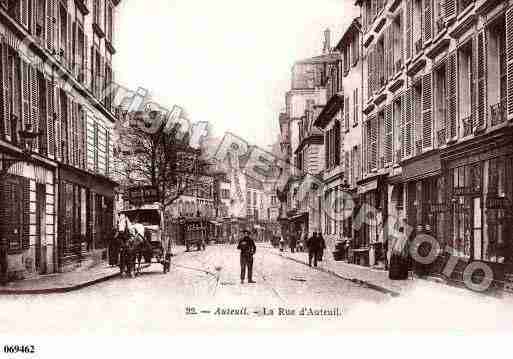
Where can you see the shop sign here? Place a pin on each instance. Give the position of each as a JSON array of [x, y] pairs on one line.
[[438, 207], [142, 194], [466, 191], [498, 203]]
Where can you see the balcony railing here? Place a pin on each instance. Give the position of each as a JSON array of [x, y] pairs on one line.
[[418, 46], [467, 126], [418, 147], [498, 113], [440, 24], [441, 137], [398, 65]]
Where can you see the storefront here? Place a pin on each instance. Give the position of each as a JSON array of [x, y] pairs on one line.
[[27, 197], [479, 226], [368, 243], [85, 213]]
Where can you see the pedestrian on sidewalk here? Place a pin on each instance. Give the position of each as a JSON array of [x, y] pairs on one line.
[[293, 241], [4, 250], [282, 243], [313, 249], [322, 246], [399, 259], [247, 249]]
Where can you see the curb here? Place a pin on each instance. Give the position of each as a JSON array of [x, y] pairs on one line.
[[58, 289], [370, 285]]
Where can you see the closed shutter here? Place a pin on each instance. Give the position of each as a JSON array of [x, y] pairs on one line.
[[427, 116], [327, 149], [93, 70], [34, 101], [509, 61], [452, 100], [428, 21], [86, 70], [50, 25], [50, 98], [372, 138], [449, 8], [409, 30], [25, 240], [58, 121], [25, 94], [387, 41], [24, 13], [346, 113], [391, 54], [95, 145], [42, 109], [409, 123], [5, 121], [388, 140], [107, 153], [337, 130], [481, 81], [402, 126], [69, 45], [400, 37], [370, 74]]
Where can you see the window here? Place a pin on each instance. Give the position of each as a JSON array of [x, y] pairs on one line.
[[397, 113], [346, 113], [63, 35], [346, 59], [440, 97], [466, 91], [380, 63], [372, 143], [398, 37], [496, 66], [109, 20], [438, 15], [417, 26], [356, 48], [417, 115], [380, 141]]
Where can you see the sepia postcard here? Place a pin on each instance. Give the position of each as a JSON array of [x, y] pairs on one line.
[[194, 167]]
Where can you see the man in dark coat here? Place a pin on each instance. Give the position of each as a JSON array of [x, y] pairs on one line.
[[322, 246], [313, 249], [293, 241], [247, 250]]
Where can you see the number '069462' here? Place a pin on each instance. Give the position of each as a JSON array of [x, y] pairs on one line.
[[16, 349]]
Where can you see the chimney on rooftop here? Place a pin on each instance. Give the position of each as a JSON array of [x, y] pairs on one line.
[[327, 41]]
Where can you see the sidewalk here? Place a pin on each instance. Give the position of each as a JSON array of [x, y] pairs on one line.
[[62, 282], [373, 278]]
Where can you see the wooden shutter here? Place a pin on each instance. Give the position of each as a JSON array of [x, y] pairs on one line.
[[25, 93], [389, 132], [327, 149], [25, 239], [337, 130], [42, 111], [34, 102], [372, 138], [391, 54], [452, 99], [346, 113], [95, 145], [58, 120], [409, 30], [386, 60], [50, 25], [69, 129], [370, 74], [409, 123], [356, 107], [428, 20], [93, 69], [509, 61], [69, 45], [86, 71], [427, 116], [5, 120], [50, 98], [481, 81], [402, 125], [74, 50], [24, 13], [449, 9]]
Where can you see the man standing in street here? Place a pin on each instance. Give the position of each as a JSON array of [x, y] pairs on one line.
[[293, 241], [313, 249], [247, 250]]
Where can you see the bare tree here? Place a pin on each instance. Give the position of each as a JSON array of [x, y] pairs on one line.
[[161, 159]]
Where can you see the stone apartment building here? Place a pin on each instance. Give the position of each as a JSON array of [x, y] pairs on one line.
[[55, 59], [437, 136], [340, 121]]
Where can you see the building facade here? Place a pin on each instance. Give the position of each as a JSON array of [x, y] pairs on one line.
[[56, 58], [437, 130]]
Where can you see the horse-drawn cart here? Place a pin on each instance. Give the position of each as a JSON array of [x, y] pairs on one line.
[[144, 238]]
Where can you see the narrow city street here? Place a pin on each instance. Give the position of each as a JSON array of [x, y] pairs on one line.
[[156, 303], [208, 281]]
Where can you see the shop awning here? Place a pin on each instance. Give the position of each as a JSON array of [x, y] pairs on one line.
[[422, 168]]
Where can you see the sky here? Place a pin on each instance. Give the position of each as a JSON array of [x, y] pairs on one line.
[[227, 62]]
